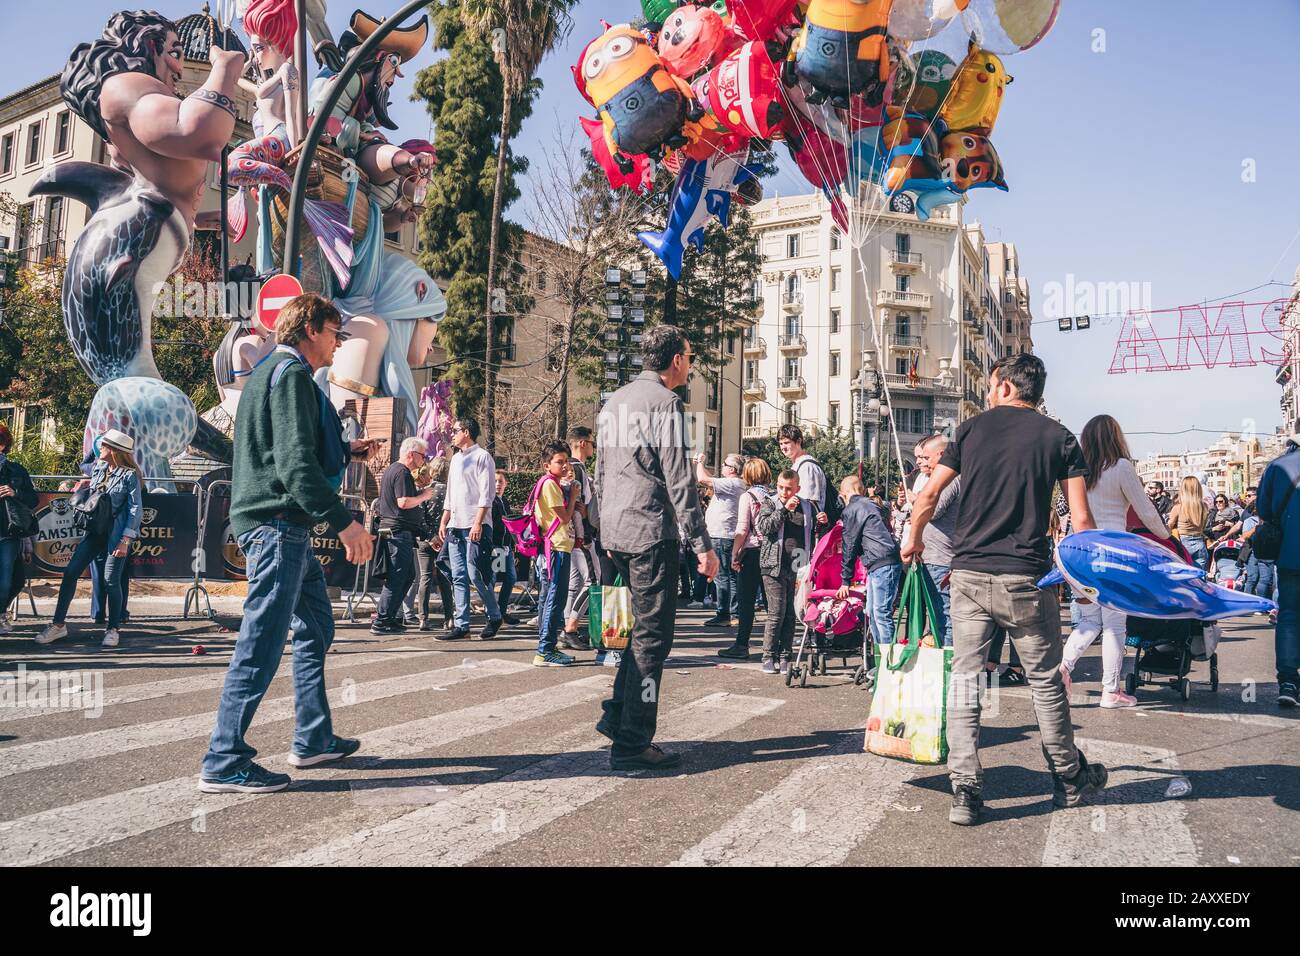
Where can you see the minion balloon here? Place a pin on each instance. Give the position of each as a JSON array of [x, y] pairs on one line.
[[642, 106], [842, 49]]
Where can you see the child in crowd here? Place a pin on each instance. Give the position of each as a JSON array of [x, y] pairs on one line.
[[784, 525], [554, 509]]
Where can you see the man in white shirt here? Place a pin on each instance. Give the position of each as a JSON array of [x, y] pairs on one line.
[[720, 519], [471, 488]]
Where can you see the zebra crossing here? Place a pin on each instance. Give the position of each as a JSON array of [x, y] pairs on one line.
[[502, 761]]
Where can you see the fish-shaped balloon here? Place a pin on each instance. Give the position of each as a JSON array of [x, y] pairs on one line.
[[1128, 573], [704, 188]]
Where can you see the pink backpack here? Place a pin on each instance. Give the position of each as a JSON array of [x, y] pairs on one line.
[[530, 541]]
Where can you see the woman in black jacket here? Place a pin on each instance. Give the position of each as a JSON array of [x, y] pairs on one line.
[[15, 483]]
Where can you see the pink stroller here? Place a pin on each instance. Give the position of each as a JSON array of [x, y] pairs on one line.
[[832, 628]]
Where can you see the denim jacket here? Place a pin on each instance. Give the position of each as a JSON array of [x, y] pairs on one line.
[[123, 489]]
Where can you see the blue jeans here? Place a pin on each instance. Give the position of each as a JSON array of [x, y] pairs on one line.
[[725, 582], [11, 550], [286, 593], [937, 573], [553, 583], [466, 568], [1200, 554], [882, 592], [1287, 636], [90, 548], [97, 603], [1259, 577], [401, 575]]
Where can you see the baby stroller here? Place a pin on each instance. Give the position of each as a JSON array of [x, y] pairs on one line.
[[832, 628], [1165, 648], [1228, 569]]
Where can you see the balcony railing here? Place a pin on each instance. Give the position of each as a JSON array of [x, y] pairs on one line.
[[895, 298], [756, 387], [793, 340], [792, 301], [905, 258], [756, 344], [922, 381], [905, 341], [791, 383], [750, 432]]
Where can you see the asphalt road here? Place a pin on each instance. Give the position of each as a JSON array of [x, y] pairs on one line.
[[472, 756]]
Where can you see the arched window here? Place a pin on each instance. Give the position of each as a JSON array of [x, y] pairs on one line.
[[751, 415], [792, 413]]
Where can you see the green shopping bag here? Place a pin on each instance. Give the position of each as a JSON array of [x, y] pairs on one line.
[[594, 633], [909, 706], [616, 615]]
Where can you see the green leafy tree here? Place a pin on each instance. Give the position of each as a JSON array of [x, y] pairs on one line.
[[464, 95], [521, 33]]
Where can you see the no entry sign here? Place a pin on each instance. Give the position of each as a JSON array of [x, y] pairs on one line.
[[275, 294]]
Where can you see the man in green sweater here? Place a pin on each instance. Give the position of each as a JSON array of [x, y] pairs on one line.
[[289, 462]]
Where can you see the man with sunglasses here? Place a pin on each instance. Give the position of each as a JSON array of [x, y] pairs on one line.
[[290, 458], [646, 487]]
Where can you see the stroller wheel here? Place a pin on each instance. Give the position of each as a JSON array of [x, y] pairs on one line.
[[1131, 684], [1185, 689], [860, 676], [789, 675], [803, 677], [1214, 672]]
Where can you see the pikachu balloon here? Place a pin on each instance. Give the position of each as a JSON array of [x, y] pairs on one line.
[[976, 96]]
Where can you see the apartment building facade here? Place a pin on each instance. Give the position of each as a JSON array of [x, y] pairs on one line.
[[913, 316]]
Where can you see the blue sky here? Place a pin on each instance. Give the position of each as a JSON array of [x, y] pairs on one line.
[[1124, 166]]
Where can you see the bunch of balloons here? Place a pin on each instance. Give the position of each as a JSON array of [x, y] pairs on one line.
[[864, 93]]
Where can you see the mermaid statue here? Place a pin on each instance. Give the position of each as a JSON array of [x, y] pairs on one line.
[[360, 187], [142, 212]]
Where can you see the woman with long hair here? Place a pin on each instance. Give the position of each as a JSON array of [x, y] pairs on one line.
[[744, 553], [115, 477], [1113, 488], [1189, 519]]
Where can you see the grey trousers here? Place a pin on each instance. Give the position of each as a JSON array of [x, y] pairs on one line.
[[1032, 619], [580, 569], [778, 636]]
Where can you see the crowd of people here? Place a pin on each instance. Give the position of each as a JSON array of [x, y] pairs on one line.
[[980, 513]]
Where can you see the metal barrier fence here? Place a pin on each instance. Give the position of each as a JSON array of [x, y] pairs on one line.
[[197, 593], [146, 482]]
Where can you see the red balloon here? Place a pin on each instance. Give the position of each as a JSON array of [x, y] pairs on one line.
[[762, 19], [638, 179], [691, 38], [745, 92]]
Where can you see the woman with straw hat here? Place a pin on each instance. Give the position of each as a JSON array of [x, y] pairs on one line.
[[115, 478]]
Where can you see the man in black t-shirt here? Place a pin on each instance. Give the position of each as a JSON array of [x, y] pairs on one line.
[[400, 516], [1010, 458]]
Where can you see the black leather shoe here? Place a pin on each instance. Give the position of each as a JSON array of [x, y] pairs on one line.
[[967, 805], [490, 631], [652, 758], [737, 652], [510, 619], [455, 634]]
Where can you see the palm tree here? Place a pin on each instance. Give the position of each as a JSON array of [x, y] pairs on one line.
[[522, 32]]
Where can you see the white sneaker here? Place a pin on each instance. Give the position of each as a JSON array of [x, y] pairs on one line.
[[52, 633], [5, 626], [531, 622], [111, 638]]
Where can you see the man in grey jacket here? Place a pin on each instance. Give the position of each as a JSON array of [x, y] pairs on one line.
[[646, 486]]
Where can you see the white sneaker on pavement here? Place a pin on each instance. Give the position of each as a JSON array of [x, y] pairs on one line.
[[52, 633], [111, 638]]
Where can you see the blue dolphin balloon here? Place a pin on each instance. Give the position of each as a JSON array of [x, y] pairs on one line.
[[704, 188], [1126, 572]]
